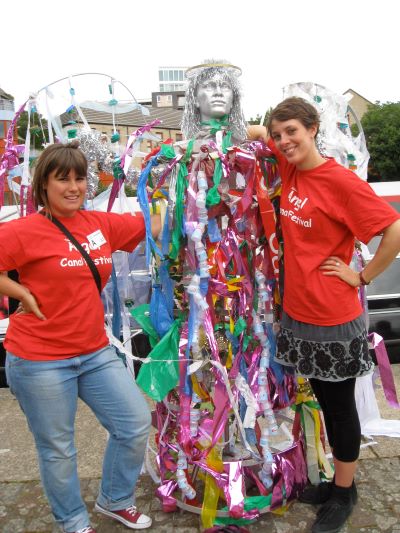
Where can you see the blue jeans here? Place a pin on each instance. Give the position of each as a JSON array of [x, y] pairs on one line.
[[48, 392]]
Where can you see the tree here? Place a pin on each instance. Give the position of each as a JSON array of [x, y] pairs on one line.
[[38, 129], [381, 125], [258, 118], [254, 120]]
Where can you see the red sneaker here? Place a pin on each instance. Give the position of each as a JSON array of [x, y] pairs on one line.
[[130, 517]]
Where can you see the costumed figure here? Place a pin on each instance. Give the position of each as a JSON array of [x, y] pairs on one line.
[[213, 308]]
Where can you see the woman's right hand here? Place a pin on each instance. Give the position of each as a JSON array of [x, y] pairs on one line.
[[28, 304]]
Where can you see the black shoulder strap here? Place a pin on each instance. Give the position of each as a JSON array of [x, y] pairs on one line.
[[84, 253]]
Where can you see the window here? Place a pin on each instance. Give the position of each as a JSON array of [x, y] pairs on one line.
[[160, 134], [2, 130], [170, 75], [164, 100], [178, 137], [161, 75]]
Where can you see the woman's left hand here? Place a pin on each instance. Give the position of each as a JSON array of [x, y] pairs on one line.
[[334, 266]]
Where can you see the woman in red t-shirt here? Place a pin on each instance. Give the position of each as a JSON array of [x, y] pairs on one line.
[[323, 207], [57, 349]]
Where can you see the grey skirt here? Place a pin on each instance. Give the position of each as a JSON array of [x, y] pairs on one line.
[[329, 353]]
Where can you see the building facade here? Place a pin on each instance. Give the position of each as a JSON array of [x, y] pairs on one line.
[[358, 104], [172, 79], [167, 107]]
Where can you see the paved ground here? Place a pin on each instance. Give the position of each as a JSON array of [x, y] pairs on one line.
[[23, 507]]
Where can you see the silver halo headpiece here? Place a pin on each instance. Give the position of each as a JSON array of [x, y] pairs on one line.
[[191, 121], [193, 71]]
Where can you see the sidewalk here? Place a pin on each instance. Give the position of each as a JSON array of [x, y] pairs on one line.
[[24, 509]]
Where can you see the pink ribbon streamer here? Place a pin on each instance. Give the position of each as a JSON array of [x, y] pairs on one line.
[[136, 134], [289, 474], [235, 490], [165, 494], [385, 369], [10, 157]]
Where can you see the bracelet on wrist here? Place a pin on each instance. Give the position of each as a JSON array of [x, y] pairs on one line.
[[362, 279]]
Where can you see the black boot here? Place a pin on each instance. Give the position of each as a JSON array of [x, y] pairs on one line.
[[317, 494], [334, 512]]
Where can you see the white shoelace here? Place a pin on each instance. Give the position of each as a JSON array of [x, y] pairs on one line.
[[87, 529], [132, 510]]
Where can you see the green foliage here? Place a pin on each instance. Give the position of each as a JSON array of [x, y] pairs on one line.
[[129, 191], [38, 127], [381, 125], [254, 120], [266, 117], [100, 188], [354, 130], [258, 118]]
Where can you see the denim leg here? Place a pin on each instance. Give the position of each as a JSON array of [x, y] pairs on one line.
[[107, 388], [47, 392]]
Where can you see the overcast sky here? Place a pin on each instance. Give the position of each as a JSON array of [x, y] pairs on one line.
[[340, 44]]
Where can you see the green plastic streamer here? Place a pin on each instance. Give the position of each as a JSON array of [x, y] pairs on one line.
[[181, 185], [141, 314], [157, 377], [213, 197], [216, 124], [250, 503]]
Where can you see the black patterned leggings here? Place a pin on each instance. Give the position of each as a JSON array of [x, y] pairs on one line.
[[338, 405]]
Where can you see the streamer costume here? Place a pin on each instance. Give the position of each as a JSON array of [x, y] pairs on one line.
[[214, 303]]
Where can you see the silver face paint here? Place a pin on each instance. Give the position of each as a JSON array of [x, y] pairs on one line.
[[214, 97]]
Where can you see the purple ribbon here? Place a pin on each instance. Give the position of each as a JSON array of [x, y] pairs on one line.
[[10, 157], [165, 494], [137, 134], [385, 369]]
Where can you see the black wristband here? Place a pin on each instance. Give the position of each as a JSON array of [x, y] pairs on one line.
[[362, 280]]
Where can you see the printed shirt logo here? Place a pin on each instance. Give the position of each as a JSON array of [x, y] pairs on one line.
[[298, 204], [96, 240]]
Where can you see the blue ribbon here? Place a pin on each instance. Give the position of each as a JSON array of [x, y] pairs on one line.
[[191, 323], [213, 230], [116, 318], [144, 205]]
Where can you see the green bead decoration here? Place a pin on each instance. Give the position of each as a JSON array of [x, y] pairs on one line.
[[72, 134], [113, 101], [118, 173], [115, 137], [317, 99]]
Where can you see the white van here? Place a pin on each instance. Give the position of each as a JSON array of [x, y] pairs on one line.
[[384, 292]]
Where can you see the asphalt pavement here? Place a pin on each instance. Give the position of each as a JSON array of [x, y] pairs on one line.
[[24, 509]]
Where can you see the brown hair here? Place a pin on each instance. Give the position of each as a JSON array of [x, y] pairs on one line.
[[295, 108], [59, 157]]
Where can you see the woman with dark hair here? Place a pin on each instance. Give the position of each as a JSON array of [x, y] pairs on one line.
[[57, 348], [323, 207]]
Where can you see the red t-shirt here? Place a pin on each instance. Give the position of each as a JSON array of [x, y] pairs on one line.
[[56, 274], [321, 211]]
